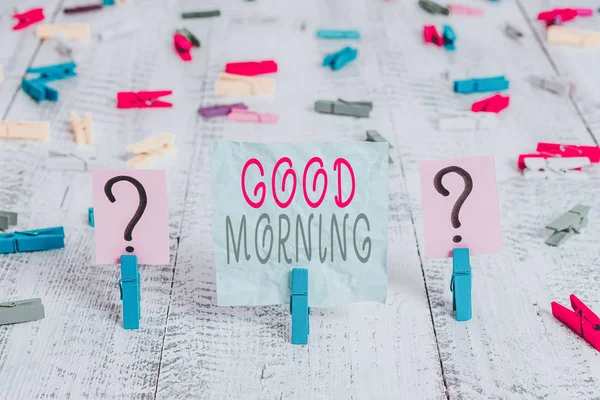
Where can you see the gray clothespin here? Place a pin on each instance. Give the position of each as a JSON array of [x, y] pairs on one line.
[[15, 312], [568, 224], [513, 32], [360, 109], [7, 219], [555, 85], [374, 136], [433, 7]]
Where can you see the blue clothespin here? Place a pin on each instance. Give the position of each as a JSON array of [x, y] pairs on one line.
[[38, 90], [448, 37], [130, 291], [91, 216], [339, 59], [37, 87], [479, 85], [299, 305], [36, 240], [108, 2], [460, 285], [336, 34]]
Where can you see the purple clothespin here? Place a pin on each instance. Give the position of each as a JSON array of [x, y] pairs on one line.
[[219, 110]]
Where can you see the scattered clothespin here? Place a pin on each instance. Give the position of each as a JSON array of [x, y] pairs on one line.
[[550, 150], [464, 10], [219, 110], [564, 14], [129, 284], [340, 58], [150, 150], [337, 34], [82, 9], [460, 285], [433, 8], [28, 18], [7, 219], [554, 85], [82, 128], [568, 224], [251, 68], [374, 136], [448, 37], [494, 104], [561, 35], [36, 240], [230, 84], [183, 47], [238, 114], [201, 14], [299, 305], [480, 85], [117, 31], [580, 320], [24, 130], [15, 312], [431, 35], [536, 167], [108, 2], [144, 99], [512, 32], [73, 31], [91, 216], [189, 36], [38, 89], [360, 109]]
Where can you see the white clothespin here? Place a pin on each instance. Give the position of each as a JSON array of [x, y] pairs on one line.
[[537, 167], [555, 85], [24, 130], [150, 150], [73, 31], [82, 128], [231, 84]]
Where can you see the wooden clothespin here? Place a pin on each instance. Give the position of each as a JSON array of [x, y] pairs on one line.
[[82, 128], [73, 31], [150, 150], [561, 35], [230, 84], [24, 130]]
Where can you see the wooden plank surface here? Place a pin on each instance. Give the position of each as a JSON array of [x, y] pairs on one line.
[[187, 347]]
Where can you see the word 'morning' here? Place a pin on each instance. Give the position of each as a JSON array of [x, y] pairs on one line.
[[283, 236]]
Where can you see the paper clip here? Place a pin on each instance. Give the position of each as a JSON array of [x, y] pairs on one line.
[[251, 68], [230, 84], [82, 128], [189, 36], [340, 58], [237, 114], [144, 99], [201, 14], [374, 136], [73, 31], [117, 31], [7, 219], [24, 130], [460, 285], [299, 305], [431, 35], [433, 8], [150, 150], [580, 320], [512, 32], [82, 9], [337, 34], [129, 285], [219, 110], [480, 85], [15, 312], [494, 104], [457, 9], [91, 216], [28, 18], [36, 240], [568, 224], [360, 109], [183, 47], [574, 37]]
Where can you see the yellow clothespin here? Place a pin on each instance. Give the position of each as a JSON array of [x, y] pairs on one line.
[[24, 130], [82, 128], [575, 37], [150, 150], [231, 84], [73, 31]]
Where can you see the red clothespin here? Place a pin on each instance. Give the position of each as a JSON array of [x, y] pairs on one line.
[[570, 150], [143, 99], [494, 104], [183, 47], [251, 68], [431, 35], [581, 320], [565, 14], [28, 18]]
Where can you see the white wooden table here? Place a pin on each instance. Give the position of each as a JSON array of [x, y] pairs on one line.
[[409, 348]]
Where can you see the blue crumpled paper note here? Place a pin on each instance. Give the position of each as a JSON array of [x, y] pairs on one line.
[[257, 242]]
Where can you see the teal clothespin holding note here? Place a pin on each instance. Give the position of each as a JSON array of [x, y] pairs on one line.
[[130, 291], [299, 306], [460, 285]]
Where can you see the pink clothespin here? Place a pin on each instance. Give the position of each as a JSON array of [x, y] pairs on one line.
[[241, 115], [494, 104], [183, 47], [431, 35], [28, 18], [570, 150], [564, 14], [581, 320], [464, 10], [143, 99], [251, 68]]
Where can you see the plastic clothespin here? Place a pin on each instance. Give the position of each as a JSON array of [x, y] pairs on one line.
[[433, 7], [480, 85], [431, 35], [565, 14], [37, 88], [129, 285], [374, 136], [460, 285], [82, 9], [219, 110], [7, 219], [15, 312], [337, 34], [28, 18], [580, 320], [144, 99], [464, 10], [340, 58], [238, 114], [183, 47], [555, 85], [448, 38], [35, 240], [189, 36], [24, 130], [555, 167], [108, 2], [494, 104], [91, 216], [201, 14], [568, 224], [360, 109], [299, 305], [570, 150], [251, 68]]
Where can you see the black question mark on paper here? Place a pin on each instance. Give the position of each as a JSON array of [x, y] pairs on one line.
[[141, 206], [437, 183]]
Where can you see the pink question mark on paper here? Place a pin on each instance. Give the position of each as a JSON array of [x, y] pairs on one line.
[[437, 183]]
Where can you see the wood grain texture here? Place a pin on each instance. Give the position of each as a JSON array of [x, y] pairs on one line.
[[187, 347]]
